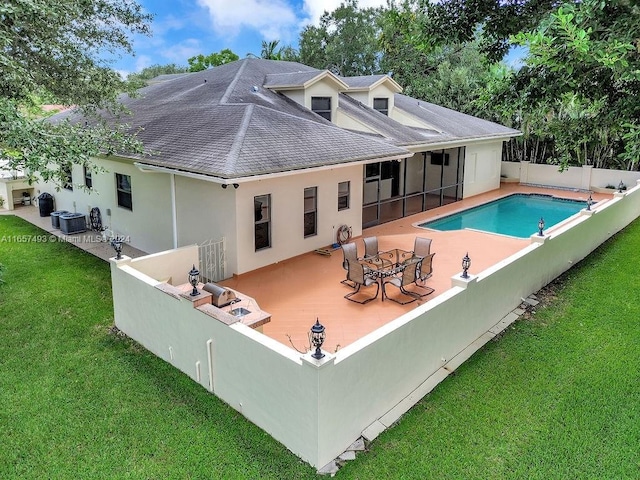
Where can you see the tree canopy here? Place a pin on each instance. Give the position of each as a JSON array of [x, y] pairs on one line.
[[58, 48], [141, 78], [345, 41], [202, 62], [574, 98]]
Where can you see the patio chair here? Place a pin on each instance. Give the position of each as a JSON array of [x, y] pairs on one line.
[[358, 275], [350, 254], [409, 275], [370, 246], [425, 270], [421, 247]]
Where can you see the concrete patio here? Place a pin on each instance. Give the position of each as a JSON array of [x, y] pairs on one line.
[[298, 290]]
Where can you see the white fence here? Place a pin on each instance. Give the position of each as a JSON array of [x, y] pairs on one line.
[[318, 408], [581, 178]]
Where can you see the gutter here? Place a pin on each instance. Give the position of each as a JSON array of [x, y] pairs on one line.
[[146, 168], [458, 142]]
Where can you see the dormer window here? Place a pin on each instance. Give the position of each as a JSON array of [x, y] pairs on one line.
[[381, 105], [322, 106]]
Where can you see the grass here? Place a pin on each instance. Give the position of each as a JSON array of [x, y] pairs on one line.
[[557, 396]]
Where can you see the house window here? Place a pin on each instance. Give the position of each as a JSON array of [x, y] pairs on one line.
[[88, 180], [67, 179], [310, 211], [344, 190], [440, 159], [322, 106], [262, 213], [123, 189], [381, 105]]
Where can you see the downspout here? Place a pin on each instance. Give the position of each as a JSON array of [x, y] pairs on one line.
[[174, 216]]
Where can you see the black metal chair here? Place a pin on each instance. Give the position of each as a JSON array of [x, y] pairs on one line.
[[350, 254], [358, 274], [409, 275], [370, 246]]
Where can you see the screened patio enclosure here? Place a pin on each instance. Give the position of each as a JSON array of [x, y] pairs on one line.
[[396, 189]]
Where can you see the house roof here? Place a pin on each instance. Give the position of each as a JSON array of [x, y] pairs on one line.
[[369, 82], [229, 123], [451, 122], [299, 80]]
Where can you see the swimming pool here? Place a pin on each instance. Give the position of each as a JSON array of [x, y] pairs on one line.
[[516, 215]]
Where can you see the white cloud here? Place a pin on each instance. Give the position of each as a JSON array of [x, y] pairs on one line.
[[179, 52], [273, 19], [142, 62]]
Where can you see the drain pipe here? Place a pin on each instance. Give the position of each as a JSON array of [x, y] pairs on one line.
[[174, 216]]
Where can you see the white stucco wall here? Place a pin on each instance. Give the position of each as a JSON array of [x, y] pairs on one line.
[[585, 177], [482, 168], [147, 227], [287, 209], [324, 88], [318, 409]]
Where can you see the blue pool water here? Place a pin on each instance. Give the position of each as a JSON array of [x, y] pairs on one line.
[[516, 215]]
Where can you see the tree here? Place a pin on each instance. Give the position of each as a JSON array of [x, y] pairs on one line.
[[461, 21], [270, 51], [345, 42], [140, 79], [56, 47], [202, 62], [583, 67]]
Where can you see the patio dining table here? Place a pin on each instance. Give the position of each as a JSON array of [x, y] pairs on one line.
[[388, 263]]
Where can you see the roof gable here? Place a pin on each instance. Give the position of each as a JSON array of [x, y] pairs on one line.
[[366, 83], [302, 80]]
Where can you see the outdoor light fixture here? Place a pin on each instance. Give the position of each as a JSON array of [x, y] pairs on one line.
[[541, 227], [620, 187], [316, 338], [589, 202], [236, 185], [224, 185], [116, 243], [466, 263], [193, 280]]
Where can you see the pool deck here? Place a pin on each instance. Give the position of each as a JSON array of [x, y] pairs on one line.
[[298, 290], [301, 289]]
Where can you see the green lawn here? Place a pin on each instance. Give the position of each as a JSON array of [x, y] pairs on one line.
[[557, 396]]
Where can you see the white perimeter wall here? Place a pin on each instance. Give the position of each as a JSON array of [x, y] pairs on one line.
[[482, 168], [317, 409], [584, 178]]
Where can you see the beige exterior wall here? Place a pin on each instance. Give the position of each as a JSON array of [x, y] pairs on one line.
[[148, 226], [287, 232], [11, 191], [317, 409], [381, 91], [323, 88], [482, 168]]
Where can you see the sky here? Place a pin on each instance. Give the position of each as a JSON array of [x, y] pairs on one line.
[[184, 28]]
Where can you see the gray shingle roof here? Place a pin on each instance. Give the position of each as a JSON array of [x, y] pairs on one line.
[[362, 81], [294, 79], [452, 123], [225, 123]]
